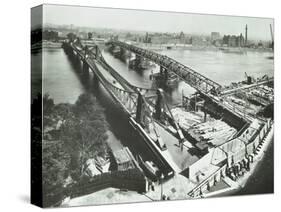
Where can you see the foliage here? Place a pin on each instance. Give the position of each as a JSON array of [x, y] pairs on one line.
[[81, 135]]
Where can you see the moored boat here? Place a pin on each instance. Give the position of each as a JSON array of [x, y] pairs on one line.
[[149, 168]]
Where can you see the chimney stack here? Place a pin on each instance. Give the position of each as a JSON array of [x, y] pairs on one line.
[[246, 35]]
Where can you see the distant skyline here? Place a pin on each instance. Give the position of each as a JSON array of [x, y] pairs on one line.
[[155, 21]]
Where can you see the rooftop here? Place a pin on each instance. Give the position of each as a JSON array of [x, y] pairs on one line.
[[122, 156]]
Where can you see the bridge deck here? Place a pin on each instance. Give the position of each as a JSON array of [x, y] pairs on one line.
[[109, 77]]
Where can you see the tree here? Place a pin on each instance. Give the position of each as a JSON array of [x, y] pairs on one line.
[[82, 135], [55, 163]]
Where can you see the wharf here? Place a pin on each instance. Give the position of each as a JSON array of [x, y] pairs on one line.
[[183, 158]]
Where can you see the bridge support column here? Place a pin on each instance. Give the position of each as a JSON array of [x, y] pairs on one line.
[[159, 104], [136, 64], [76, 58], [205, 111], [123, 54], [164, 75], [70, 52], [67, 48], [140, 113], [85, 67], [96, 52], [138, 61], [111, 48]]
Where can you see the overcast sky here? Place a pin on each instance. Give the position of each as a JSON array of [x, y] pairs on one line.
[[258, 28]]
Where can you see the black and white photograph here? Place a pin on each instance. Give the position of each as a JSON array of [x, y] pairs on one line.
[[132, 106]]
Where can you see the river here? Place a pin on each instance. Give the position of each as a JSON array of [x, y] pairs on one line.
[[64, 82]]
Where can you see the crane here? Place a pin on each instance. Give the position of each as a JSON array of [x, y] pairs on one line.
[[272, 38], [249, 79]]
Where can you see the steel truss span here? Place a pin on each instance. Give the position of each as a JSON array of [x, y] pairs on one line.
[[194, 79]]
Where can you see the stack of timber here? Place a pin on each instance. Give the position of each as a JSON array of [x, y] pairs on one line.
[[215, 132], [243, 106], [237, 101], [264, 92], [186, 119]]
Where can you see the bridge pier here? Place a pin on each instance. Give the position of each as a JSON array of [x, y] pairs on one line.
[[96, 52], [205, 112], [110, 48], [137, 63], [76, 58], [72, 54], [165, 75], [85, 67], [68, 50], [166, 78], [123, 55], [119, 53], [159, 104]]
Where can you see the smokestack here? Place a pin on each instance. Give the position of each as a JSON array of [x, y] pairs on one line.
[[246, 35]]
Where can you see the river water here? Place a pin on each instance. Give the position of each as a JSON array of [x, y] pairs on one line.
[[64, 82]]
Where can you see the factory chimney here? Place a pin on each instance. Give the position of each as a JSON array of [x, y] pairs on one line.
[[246, 35]]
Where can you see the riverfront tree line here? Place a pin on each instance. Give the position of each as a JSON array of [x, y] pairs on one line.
[[72, 133]]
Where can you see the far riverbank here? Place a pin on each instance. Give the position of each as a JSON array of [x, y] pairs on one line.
[[238, 50]]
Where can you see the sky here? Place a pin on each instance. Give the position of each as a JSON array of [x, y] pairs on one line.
[[154, 21]]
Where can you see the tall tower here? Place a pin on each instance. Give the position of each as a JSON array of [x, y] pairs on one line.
[[246, 35]]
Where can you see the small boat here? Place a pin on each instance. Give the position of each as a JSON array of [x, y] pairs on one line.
[[149, 168]]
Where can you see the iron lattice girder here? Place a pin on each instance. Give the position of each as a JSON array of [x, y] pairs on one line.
[[97, 55], [179, 69], [128, 95], [117, 76], [127, 98]]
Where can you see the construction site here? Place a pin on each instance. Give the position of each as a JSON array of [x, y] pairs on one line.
[[210, 142], [213, 140]]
